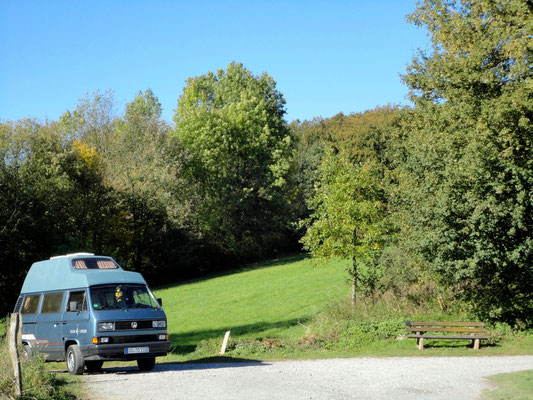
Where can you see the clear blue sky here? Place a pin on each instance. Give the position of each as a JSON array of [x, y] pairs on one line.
[[326, 56]]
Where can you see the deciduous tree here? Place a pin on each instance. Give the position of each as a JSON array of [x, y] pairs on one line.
[[347, 214], [231, 122], [467, 180]]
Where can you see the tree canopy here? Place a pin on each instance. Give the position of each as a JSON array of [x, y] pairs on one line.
[[231, 123]]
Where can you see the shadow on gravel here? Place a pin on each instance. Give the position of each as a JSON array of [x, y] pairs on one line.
[[200, 364]]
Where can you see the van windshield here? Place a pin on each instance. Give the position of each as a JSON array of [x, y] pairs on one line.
[[109, 297]]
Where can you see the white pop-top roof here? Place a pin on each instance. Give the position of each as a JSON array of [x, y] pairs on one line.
[[72, 255]]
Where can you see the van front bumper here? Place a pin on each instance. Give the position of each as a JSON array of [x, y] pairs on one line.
[[116, 352]]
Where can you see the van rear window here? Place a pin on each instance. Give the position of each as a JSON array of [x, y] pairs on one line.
[[94, 263]]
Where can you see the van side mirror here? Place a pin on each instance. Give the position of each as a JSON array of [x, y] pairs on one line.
[[160, 301], [73, 306]]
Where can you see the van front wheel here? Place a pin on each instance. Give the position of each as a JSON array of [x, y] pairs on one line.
[[146, 364], [75, 361]]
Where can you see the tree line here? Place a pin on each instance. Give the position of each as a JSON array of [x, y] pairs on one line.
[[429, 201]]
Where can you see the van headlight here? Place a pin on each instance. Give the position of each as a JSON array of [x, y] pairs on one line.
[[106, 326], [159, 324]]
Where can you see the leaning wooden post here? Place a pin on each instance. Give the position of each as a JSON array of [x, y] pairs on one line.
[[14, 342], [225, 343]]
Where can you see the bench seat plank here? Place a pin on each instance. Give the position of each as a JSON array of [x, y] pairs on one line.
[[448, 337]]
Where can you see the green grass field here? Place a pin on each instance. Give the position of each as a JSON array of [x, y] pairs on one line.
[[274, 299], [276, 310]]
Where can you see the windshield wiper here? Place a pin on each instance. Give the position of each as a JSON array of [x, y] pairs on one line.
[[140, 305]]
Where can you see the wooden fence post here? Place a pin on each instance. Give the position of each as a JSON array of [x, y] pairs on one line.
[[14, 343], [225, 343]]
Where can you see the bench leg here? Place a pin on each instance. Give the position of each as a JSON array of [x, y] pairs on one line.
[[420, 343], [476, 344]]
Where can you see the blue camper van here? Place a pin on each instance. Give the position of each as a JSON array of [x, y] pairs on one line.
[[86, 309]]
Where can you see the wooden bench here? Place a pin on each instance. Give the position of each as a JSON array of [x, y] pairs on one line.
[[474, 331]]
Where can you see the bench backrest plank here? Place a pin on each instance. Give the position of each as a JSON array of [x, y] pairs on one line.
[[440, 323]]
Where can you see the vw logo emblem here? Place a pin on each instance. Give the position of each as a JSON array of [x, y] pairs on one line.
[[134, 325]]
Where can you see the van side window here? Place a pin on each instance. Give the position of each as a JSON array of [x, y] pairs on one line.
[[52, 303], [30, 304], [79, 299]]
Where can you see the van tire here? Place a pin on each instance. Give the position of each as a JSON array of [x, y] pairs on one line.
[[146, 364], [75, 361], [94, 366]]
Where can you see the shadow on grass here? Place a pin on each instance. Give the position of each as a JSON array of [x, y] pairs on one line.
[[248, 267], [186, 342]]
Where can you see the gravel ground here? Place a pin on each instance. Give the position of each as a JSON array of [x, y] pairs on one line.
[[351, 378]]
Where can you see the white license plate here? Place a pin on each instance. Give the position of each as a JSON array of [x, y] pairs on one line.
[[136, 350]]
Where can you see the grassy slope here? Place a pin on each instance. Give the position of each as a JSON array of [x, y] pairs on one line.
[[278, 300], [272, 299]]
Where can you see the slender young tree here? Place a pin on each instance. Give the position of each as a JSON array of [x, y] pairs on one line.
[[347, 214]]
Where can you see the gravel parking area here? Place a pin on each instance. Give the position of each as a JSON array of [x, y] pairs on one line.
[[351, 378]]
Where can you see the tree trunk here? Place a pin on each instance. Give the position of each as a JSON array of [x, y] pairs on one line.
[[354, 280]]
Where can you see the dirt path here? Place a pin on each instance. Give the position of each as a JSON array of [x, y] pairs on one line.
[[353, 378]]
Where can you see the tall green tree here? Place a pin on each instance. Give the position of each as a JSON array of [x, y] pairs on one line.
[[347, 215], [144, 166], [93, 120], [137, 146], [466, 181], [231, 122]]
